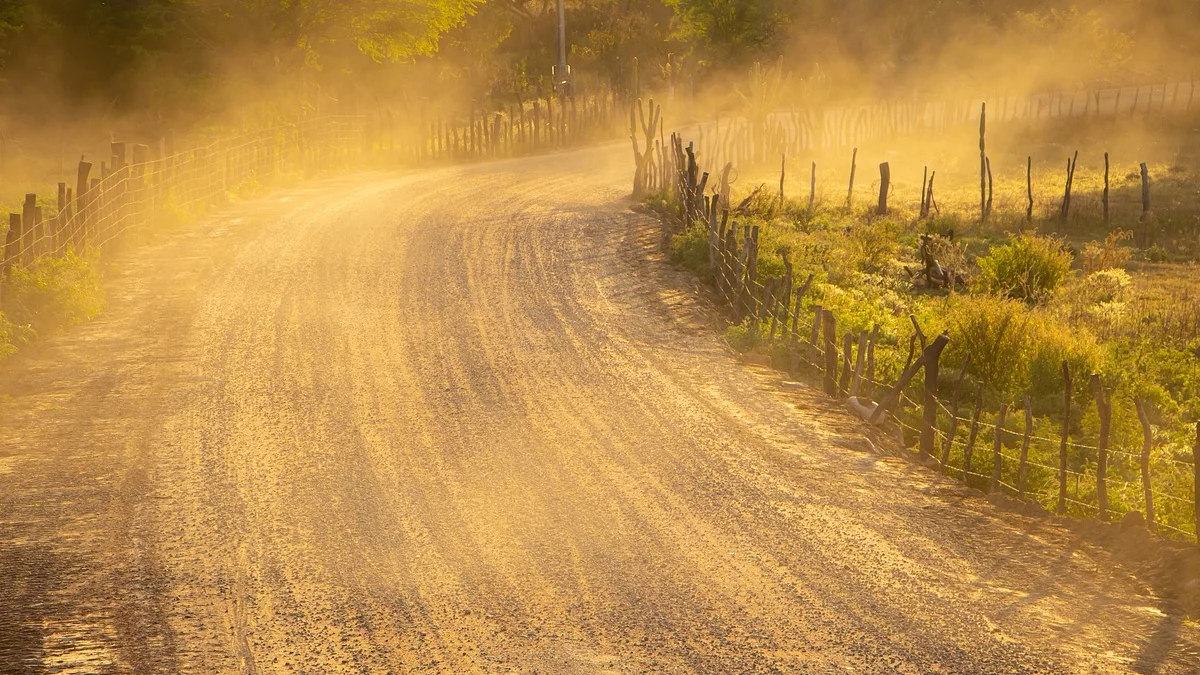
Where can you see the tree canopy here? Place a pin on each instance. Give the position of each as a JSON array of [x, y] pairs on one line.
[[185, 55]]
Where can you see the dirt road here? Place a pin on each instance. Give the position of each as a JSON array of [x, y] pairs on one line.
[[463, 421]]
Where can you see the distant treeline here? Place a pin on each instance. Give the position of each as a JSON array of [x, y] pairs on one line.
[[190, 60]]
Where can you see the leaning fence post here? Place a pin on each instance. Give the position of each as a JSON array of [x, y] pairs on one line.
[[997, 455], [831, 355], [1147, 444], [1023, 468], [932, 354], [1062, 448], [1104, 411], [893, 396]]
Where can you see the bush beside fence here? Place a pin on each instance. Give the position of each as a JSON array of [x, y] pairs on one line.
[[932, 414]]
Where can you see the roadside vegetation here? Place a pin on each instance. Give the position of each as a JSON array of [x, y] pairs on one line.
[[53, 293], [1121, 299]]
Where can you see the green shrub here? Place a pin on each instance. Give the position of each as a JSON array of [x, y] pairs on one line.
[[55, 292], [690, 249], [12, 336], [996, 332], [872, 246], [1030, 267], [1052, 342], [1157, 254], [743, 337]]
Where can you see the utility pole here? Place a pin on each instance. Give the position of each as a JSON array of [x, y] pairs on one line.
[[562, 81]]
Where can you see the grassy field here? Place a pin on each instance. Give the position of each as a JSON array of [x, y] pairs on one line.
[[1119, 298]]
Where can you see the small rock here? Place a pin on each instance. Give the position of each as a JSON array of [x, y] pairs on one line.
[[1132, 520]]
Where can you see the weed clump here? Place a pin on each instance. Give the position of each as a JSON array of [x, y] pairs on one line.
[[56, 291], [1030, 267]]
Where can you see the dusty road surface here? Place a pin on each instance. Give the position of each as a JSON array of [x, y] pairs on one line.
[[466, 421]]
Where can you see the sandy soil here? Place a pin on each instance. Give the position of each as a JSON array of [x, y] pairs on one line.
[[466, 420]]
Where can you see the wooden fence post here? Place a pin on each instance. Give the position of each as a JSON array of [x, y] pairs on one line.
[[1029, 188], [983, 162], [930, 202], [847, 366], [988, 208], [782, 176], [28, 229], [970, 449], [1062, 448], [12, 243], [831, 355], [997, 455], [924, 210], [1066, 203], [859, 362], [870, 375], [1104, 411], [815, 337], [1196, 479], [812, 187], [885, 180], [795, 334], [1145, 192], [60, 219], [893, 396], [1022, 471], [962, 373], [932, 355], [853, 168], [1104, 195], [1147, 444], [82, 212]]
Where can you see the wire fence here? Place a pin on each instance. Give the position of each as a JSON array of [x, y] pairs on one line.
[[747, 140], [1101, 481], [138, 184]]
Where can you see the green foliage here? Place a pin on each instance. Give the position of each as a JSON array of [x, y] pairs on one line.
[[12, 336], [724, 30], [1030, 267], [56, 292], [690, 249], [996, 332], [743, 337], [872, 245]]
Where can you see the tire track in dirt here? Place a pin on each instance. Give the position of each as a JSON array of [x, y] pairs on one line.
[[465, 420]]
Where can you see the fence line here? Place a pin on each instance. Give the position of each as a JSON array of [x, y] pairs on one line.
[[745, 142], [771, 308]]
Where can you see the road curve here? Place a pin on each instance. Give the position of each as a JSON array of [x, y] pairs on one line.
[[465, 420]]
